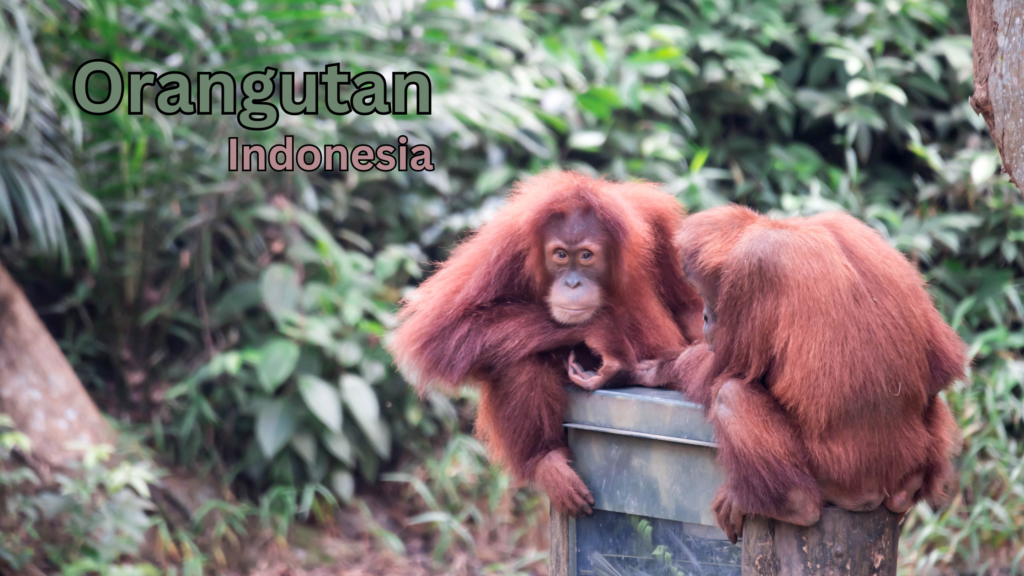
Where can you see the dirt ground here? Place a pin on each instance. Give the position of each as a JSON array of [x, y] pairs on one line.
[[365, 538], [349, 547]]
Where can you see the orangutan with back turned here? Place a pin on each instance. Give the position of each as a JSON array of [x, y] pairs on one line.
[[823, 359]]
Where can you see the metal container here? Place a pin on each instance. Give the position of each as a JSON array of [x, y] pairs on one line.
[[648, 457]]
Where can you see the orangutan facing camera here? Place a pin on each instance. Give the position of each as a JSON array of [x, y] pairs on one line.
[[570, 260]]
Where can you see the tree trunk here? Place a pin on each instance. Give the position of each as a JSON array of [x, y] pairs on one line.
[[997, 32], [841, 544], [38, 388]]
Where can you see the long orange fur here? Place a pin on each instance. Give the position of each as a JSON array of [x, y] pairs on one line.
[[832, 354], [482, 319]]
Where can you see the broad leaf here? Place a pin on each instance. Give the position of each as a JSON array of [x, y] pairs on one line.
[[587, 140], [343, 485], [338, 444], [349, 353], [322, 399], [277, 360], [362, 402], [280, 288], [275, 426], [304, 445]]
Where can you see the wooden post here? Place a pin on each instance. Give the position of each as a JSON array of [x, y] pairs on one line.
[[841, 544], [558, 544]]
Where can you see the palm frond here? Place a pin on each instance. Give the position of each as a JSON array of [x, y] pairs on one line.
[[39, 188]]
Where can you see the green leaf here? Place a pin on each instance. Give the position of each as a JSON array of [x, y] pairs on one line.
[[226, 363], [699, 159], [984, 167], [319, 330], [362, 402], [322, 399], [349, 353], [665, 54], [858, 87], [892, 92], [238, 299], [489, 180], [587, 140], [338, 444], [280, 288], [304, 445], [353, 308], [343, 485], [600, 102], [277, 360], [853, 61], [275, 426], [372, 371]]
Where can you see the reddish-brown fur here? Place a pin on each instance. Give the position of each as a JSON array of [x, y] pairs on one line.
[[826, 359], [482, 317]]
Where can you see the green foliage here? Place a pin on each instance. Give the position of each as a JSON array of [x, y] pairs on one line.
[[306, 396], [39, 188], [94, 517], [465, 499], [86, 521], [271, 319]]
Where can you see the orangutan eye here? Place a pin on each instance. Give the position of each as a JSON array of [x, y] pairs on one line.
[[561, 255], [586, 256]]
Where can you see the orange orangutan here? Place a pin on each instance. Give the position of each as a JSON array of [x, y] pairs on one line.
[[570, 260], [823, 359]]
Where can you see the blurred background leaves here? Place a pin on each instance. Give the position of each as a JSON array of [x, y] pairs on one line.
[[236, 319]]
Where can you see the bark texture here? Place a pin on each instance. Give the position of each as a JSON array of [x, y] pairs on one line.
[[841, 544], [38, 388], [558, 555], [997, 33]]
